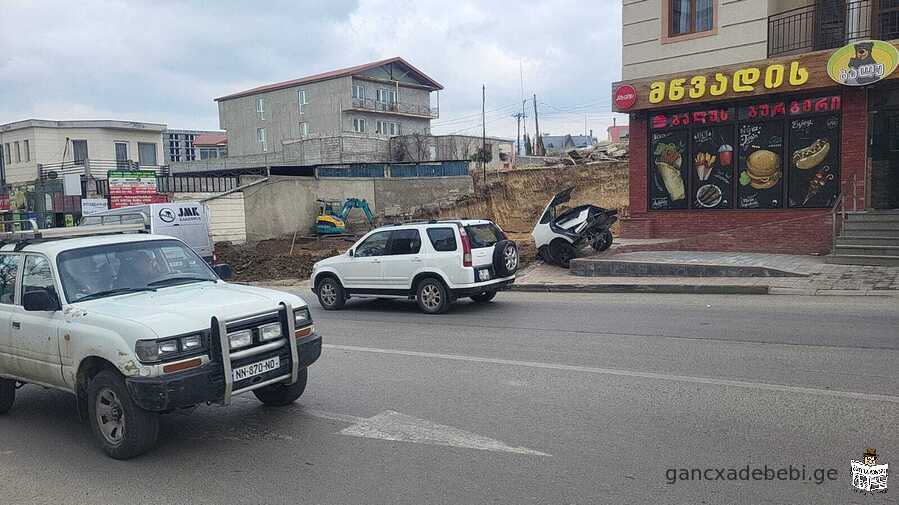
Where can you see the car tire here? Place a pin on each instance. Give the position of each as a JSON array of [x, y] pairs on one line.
[[484, 297], [123, 429], [279, 395], [505, 258], [432, 296], [331, 295], [7, 395], [562, 253], [602, 242]]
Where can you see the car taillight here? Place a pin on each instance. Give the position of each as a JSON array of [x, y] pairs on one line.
[[466, 248]]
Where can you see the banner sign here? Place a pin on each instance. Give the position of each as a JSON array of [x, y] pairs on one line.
[[863, 62], [93, 205], [133, 188]]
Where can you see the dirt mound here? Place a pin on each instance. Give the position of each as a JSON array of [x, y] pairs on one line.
[[271, 259]]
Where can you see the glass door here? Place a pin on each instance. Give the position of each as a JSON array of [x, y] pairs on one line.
[[884, 148]]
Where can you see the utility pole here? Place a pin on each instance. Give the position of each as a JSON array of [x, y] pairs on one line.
[[537, 126], [519, 116], [484, 133]]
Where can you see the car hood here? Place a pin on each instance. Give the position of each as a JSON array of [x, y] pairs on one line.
[[189, 307]]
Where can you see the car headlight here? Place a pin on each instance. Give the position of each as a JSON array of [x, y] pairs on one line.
[[240, 339], [301, 317], [270, 331], [149, 351]]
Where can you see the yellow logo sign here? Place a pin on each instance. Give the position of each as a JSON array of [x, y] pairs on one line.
[[863, 62], [744, 80]]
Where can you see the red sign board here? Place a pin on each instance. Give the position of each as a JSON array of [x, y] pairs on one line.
[[625, 96], [4, 203], [133, 188]]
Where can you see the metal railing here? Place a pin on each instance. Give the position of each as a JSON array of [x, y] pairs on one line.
[[412, 109], [839, 210], [828, 25], [95, 168]]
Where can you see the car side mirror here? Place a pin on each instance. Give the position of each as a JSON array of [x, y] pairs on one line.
[[224, 271], [350, 252], [40, 300]]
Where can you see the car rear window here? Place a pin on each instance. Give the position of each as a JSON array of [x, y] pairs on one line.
[[443, 239], [483, 235]]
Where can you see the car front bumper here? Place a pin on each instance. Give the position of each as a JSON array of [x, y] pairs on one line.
[[200, 385]]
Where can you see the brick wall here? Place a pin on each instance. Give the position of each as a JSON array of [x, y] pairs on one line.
[[801, 231]]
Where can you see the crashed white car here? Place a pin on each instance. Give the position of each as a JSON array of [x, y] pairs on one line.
[[560, 234], [136, 325]]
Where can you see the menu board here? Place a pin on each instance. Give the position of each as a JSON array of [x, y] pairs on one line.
[[760, 147], [668, 170], [712, 168], [814, 161], [696, 117]]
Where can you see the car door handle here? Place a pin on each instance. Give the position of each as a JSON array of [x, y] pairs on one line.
[[416, 260], [375, 260], [17, 325]]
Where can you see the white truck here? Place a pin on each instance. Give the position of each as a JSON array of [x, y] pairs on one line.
[[136, 325]]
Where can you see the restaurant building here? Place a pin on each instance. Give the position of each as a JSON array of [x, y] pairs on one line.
[[756, 133]]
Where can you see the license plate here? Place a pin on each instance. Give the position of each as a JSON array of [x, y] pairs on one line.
[[485, 274], [245, 372]]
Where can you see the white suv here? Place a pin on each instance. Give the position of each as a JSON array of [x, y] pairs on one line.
[[136, 325], [434, 262]]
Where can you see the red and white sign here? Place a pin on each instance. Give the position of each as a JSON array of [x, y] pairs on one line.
[[625, 96], [133, 188]]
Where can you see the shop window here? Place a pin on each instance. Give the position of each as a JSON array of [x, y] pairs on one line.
[[768, 155]]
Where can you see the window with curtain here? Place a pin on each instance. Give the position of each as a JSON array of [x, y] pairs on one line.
[[79, 151], [146, 154], [690, 16]]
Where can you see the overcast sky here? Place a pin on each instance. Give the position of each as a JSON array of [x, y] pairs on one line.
[[164, 60]]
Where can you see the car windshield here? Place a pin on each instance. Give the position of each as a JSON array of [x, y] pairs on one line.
[[483, 235], [107, 270]]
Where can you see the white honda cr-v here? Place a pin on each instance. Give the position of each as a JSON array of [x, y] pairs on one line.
[[433, 262]]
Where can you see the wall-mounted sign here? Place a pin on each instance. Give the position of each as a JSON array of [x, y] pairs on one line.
[[743, 80], [625, 97], [863, 62], [93, 205], [133, 188]]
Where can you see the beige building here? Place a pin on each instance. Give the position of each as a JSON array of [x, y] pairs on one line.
[[100, 146]]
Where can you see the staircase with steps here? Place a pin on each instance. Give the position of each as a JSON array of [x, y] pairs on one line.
[[868, 238]]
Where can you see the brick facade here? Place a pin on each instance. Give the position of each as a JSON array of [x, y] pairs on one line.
[[797, 231]]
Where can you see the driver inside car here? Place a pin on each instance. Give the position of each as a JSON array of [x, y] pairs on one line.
[[137, 269], [85, 277]]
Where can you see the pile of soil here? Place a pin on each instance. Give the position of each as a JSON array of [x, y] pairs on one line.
[[271, 259]]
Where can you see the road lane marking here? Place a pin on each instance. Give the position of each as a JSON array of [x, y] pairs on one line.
[[398, 427], [627, 373]]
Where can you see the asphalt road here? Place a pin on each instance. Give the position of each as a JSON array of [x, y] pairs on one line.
[[534, 398]]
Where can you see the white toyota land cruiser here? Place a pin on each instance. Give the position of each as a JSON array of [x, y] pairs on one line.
[[433, 262], [135, 325]]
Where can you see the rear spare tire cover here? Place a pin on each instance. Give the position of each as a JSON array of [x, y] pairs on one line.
[[505, 258]]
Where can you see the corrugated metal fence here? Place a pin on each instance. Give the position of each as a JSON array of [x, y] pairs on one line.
[[425, 169]]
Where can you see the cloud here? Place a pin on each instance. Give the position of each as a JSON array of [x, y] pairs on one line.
[[165, 60]]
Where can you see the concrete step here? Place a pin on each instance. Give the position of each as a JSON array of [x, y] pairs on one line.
[[870, 233], [871, 225], [873, 215], [868, 250], [853, 259], [589, 267], [868, 240]]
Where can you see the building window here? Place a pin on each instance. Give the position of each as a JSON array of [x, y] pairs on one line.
[[260, 108], [382, 95], [304, 129], [689, 16], [358, 125], [260, 138], [207, 153], [79, 151], [146, 154], [390, 128], [301, 98], [358, 92], [18, 152], [8, 156], [27, 148]]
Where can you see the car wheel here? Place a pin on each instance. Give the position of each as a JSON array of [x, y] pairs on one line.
[[331, 295], [484, 297], [505, 258], [602, 241], [432, 296], [7, 395], [123, 429], [562, 252], [278, 395]]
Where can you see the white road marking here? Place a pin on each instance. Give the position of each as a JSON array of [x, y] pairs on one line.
[[628, 373], [392, 425]]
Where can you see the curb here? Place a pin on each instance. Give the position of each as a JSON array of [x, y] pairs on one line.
[[724, 289]]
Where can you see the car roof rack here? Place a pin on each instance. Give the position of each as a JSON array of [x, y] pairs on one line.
[[34, 234]]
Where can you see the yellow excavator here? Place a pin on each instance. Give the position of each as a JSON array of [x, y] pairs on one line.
[[331, 221]]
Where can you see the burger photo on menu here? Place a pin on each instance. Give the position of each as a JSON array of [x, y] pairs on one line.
[[762, 169]]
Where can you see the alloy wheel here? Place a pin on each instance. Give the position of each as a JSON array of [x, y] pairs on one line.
[[510, 257], [328, 292], [430, 296]]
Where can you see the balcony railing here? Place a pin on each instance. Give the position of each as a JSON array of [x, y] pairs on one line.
[[410, 109], [94, 168], [829, 24]]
